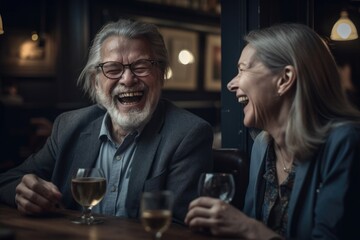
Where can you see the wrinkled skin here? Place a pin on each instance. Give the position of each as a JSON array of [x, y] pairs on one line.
[[36, 196], [259, 91], [128, 115]]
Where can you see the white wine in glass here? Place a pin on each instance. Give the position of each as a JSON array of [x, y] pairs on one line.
[[217, 185], [156, 212], [88, 187]]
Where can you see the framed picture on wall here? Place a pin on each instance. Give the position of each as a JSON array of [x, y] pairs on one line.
[[182, 46], [20, 55], [213, 63]]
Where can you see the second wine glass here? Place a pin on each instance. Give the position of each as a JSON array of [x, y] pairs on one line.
[[156, 212], [88, 187], [217, 185]]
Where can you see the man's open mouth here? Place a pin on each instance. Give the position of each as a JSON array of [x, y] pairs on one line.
[[130, 97]]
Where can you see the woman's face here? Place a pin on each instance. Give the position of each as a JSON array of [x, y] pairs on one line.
[[255, 88], [130, 100]]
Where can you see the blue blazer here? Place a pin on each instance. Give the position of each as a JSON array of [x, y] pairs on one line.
[[172, 151], [325, 202]]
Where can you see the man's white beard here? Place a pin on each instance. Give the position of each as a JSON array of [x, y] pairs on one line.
[[129, 121]]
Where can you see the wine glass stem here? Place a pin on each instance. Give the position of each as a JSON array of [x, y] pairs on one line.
[[87, 217], [157, 236]]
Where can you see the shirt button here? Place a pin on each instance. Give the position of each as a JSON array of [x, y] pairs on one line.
[[113, 189], [118, 157]]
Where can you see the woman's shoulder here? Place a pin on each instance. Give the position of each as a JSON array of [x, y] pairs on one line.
[[345, 131], [343, 138]]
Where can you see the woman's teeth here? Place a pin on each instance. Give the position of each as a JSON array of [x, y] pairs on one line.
[[244, 100]]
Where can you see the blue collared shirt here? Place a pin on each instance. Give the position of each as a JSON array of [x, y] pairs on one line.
[[115, 160]]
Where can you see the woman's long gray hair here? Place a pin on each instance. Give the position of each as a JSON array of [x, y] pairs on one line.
[[129, 29], [319, 102]]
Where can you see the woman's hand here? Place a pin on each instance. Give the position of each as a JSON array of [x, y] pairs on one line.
[[222, 219], [216, 215]]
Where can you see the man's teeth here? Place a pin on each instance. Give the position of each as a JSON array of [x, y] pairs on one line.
[[130, 97], [130, 94]]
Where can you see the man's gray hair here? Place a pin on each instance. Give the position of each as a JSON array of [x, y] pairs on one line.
[[126, 28]]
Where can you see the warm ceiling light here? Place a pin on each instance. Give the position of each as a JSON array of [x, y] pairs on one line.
[[344, 29], [185, 57], [34, 36], [1, 26]]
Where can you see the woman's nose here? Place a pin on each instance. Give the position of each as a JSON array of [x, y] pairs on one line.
[[231, 86]]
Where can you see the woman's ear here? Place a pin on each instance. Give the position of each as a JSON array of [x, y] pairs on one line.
[[286, 80]]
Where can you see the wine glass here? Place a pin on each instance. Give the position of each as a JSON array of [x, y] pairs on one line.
[[217, 185], [88, 187], [156, 212]]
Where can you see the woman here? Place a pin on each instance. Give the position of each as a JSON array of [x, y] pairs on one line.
[[304, 172]]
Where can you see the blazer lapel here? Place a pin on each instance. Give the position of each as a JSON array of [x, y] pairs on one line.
[[301, 172], [89, 145], [143, 160], [256, 171], [85, 154]]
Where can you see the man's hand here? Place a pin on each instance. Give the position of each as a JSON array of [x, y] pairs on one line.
[[35, 196]]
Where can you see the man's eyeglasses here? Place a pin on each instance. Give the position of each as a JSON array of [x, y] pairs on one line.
[[114, 70]]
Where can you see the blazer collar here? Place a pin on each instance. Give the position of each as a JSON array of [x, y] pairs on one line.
[[89, 145], [147, 146], [86, 153], [302, 170]]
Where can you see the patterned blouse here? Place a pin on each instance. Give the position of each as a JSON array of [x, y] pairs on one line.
[[276, 198]]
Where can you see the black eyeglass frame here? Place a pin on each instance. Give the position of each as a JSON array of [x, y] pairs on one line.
[[152, 62]]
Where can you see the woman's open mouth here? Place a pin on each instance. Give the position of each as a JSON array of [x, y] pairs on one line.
[[244, 100]]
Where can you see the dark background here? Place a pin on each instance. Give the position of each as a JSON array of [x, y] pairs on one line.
[[70, 25]]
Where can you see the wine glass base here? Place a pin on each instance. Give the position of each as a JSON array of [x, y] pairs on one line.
[[84, 221], [203, 230]]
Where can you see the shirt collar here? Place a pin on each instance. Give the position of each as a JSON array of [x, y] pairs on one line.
[[105, 130]]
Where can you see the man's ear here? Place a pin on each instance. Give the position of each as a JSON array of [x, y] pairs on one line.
[[96, 81], [287, 80]]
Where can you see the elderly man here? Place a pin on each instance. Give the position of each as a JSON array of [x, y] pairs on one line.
[[142, 142]]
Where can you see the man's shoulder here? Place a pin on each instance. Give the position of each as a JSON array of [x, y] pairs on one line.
[[173, 112], [89, 112]]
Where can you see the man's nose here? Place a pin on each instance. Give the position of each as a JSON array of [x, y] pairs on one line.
[[128, 78]]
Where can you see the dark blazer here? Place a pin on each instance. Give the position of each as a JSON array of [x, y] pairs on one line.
[[325, 202], [172, 150]]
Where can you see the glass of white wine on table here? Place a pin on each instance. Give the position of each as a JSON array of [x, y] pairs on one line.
[[217, 185], [88, 187], [156, 212]]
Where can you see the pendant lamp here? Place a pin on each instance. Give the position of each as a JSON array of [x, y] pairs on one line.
[[344, 29]]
